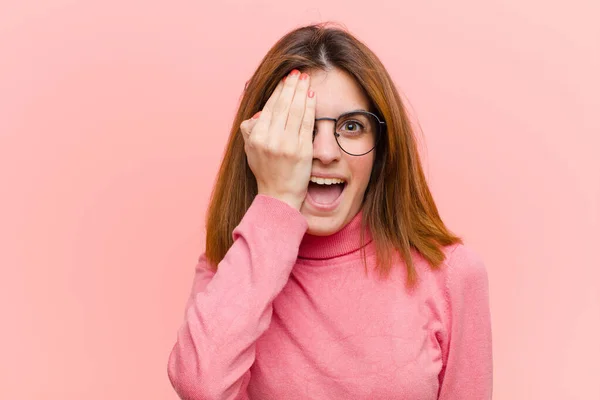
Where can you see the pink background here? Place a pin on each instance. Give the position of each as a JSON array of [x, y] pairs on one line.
[[113, 118]]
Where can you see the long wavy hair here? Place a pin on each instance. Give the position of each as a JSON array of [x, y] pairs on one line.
[[398, 207]]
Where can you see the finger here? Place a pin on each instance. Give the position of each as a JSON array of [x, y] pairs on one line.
[[248, 125], [297, 108], [308, 122], [264, 120], [274, 97], [283, 104]]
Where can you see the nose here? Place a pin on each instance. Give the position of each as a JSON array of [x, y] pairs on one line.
[[325, 147]]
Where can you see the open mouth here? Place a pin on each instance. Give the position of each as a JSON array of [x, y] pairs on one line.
[[324, 191]]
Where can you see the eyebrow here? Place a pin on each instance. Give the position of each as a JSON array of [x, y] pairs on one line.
[[345, 112]]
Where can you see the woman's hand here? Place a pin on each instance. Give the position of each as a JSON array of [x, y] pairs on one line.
[[278, 140]]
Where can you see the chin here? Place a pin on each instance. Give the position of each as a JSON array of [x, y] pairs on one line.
[[325, 225], [318, 226]]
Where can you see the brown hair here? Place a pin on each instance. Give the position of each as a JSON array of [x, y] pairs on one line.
[[398, 207]]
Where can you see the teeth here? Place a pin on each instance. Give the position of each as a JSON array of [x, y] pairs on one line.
[[326, 181]]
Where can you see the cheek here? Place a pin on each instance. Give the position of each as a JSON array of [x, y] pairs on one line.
[[361, 171]]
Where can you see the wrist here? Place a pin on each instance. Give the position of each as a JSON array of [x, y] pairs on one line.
[[290, 201]]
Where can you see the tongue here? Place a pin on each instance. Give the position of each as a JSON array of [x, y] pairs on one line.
[[324, 194]]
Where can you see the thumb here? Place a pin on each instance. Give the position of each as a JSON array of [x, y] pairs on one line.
[[247, 125]]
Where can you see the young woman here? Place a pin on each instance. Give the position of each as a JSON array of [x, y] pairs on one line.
[[328, 272]]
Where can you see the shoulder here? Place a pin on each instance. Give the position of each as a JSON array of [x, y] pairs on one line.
[[204, 268], [462, 285], [462, 273], [463, 263]]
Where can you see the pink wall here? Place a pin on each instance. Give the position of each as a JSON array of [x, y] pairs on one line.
[[113, 117]]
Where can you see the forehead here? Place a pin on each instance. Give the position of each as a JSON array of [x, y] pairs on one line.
[[337, 92]]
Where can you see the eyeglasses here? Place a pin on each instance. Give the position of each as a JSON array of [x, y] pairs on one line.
[[356, 132]]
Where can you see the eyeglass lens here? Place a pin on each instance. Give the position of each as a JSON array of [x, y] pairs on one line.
[[356, 133]]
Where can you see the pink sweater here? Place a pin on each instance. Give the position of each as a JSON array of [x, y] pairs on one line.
[[292, 316]]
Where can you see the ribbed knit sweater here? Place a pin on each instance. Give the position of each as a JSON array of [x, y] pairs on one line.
[[288, 315]]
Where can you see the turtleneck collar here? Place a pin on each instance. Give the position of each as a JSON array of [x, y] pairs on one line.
[[344, 241]]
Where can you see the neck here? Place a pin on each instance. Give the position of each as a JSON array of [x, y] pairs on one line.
[[344, 241]]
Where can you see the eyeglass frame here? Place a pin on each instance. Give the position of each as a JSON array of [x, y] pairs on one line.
[[380, 129]]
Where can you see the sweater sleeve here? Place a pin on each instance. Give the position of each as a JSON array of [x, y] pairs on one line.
[[228, 310], [467, 342]]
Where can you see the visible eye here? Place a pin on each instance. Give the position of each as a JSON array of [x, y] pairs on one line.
[[353, 126]]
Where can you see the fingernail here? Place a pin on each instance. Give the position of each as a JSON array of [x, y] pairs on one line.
[[256, 115], [311, 93], [294, 72], [303, 76]]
